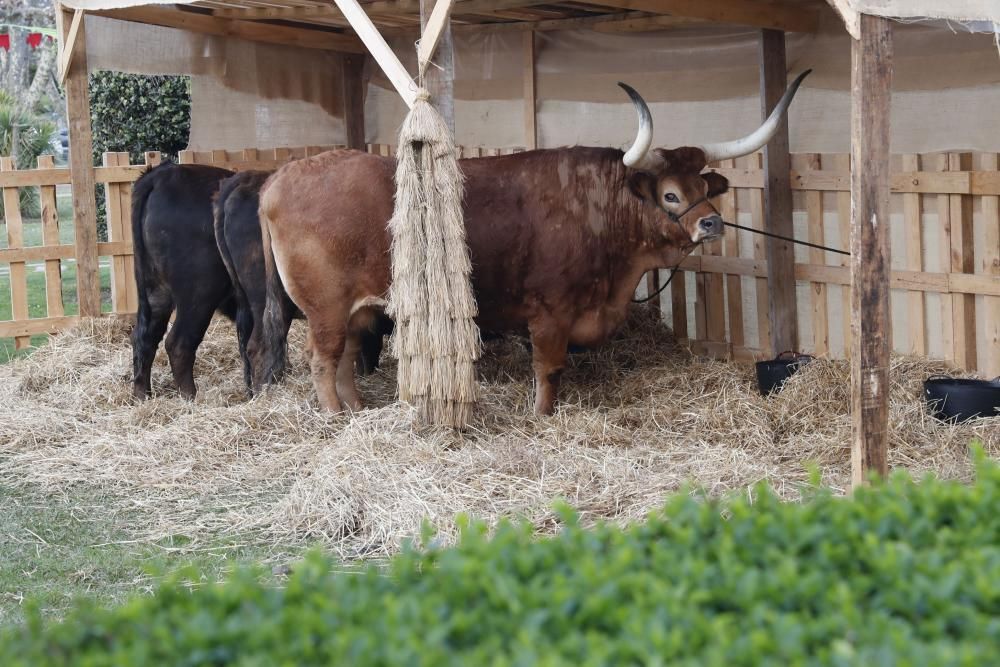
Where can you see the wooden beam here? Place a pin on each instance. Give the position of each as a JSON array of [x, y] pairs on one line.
[[646, 24], [66, 46], [546, 24], [81, 166], [248, 30], [757, 13], [871, 83], [377, 46], [374, 9], [528, 74], [782, 314], [849, 15], [431, 33], [440, 80], [353, 92]]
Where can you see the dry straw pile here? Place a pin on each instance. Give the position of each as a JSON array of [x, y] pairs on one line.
[[637, 419]]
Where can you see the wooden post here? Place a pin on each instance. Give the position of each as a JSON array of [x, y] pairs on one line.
[[354, 101], [81, 167], [530, 120], [871, 82], [778, 198], [734, 282], [440, 77], [817, 290], [652, 284]]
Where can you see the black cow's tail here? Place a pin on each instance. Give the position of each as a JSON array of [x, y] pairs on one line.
[[273, 352], [143, 347]]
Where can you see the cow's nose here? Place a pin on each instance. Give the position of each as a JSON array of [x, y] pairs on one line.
[[711, 226]]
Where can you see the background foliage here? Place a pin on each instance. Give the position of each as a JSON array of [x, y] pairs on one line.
[[902, 573], [24, 136], [138, 113]]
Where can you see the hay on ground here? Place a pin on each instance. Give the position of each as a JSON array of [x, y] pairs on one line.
[[636, 420]]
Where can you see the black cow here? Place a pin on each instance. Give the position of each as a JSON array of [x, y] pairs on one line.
[[237, 233], [177, 266]]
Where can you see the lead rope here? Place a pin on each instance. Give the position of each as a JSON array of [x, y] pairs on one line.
[[747, 229]]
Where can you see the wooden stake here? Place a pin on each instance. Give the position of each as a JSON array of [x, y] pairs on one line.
[[817, 290], [15, 241], [734, 283], [81, 166], [783, 314], [871, 82]]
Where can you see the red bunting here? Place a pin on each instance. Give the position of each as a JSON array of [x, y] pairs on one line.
[[34, 39], [5, 42]]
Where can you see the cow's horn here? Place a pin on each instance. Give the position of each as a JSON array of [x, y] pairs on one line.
[[752, 142], [638, 156]]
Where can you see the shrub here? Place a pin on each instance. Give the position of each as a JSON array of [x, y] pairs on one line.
[[24, 136], [138, 113], [903, 573]]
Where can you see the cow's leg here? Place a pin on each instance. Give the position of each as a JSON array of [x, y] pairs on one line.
[[155, 307], [328, 342], [190, 325], [244, 331], [369, 351], [548, 356], [346, 389]]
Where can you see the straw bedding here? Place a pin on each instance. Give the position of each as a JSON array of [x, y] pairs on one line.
[[637, 419]]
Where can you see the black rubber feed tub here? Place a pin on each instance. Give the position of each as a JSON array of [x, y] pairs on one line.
[[771, 374], [962, 399]]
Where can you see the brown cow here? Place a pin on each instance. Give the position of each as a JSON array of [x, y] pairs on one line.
[[559, 240]]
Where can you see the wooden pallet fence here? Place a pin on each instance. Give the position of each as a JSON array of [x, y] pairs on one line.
[[729, 276]]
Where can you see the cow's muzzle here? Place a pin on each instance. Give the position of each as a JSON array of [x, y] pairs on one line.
[[709, 228]]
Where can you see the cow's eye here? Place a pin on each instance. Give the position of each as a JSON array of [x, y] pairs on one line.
[[670, 198]]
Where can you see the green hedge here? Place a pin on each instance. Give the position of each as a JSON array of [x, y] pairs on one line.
[[901, 574]]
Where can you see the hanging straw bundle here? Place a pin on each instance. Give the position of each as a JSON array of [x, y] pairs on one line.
[[435, 340]]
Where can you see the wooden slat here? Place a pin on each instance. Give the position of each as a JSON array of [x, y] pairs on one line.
[[678, 305], [715, 297], [40, 325], [871, 85], [15, 241], [843, 163], [817, 290], [913, 229], [760, 253], [528, 74], [652, 284], [116, 230], [963, 261], [700, 308], [50, 237], [990, 363], [734, 283]]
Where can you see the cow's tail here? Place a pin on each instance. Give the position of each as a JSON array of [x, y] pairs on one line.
[[273, 343], [244, 314], [141, 338]]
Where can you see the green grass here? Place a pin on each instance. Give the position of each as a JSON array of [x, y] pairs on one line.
[[56, 548], [36, 281]]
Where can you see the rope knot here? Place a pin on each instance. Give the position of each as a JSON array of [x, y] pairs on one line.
[[423, 95]]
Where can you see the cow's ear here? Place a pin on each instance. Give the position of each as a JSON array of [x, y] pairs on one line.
[[717, 184], [643, 186]]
